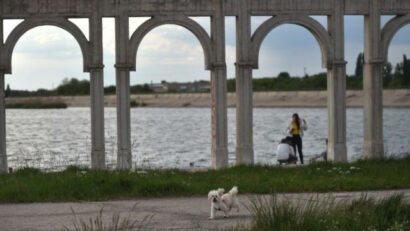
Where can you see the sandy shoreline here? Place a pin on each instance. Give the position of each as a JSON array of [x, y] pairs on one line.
[[391, 98]]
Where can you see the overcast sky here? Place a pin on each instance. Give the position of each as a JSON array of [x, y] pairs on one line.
[[46, 55]]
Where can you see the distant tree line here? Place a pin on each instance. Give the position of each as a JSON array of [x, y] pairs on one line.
[[392, 79], [399, 78], [73, 87]]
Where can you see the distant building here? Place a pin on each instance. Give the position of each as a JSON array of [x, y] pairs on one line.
[[159, 87], [191, 87]]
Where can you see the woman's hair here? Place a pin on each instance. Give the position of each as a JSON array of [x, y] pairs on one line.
[[297, 120]]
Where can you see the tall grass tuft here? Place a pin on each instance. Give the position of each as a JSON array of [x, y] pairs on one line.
[[365, 213], [116, 224]]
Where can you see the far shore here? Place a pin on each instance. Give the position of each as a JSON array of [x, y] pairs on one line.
[[280, 99]]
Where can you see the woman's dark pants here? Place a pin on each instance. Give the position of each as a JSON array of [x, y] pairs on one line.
[[297, 142]]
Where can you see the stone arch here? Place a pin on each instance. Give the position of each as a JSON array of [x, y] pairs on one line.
[[390, 30], [183, 21], [31, 23], [318, 31]]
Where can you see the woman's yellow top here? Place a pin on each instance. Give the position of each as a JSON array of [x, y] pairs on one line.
[[295, 128]]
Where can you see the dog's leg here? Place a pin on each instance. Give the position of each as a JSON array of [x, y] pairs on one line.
[[212, 215], [236, 204]]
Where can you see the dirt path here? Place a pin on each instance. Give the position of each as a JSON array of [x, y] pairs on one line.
[[167, 213]]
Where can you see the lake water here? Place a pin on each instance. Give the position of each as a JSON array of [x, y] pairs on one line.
[[176, 137]]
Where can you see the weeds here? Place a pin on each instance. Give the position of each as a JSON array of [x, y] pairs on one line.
[[361, 214], [116, 224]]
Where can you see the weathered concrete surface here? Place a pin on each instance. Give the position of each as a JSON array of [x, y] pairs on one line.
[[10, 8], [391, 98], [168, 214]]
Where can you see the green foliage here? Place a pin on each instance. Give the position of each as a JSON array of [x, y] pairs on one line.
[[359, 65], [8, 91], [79, 184], [110, 90], [284, 82], [74, 87], [354, 82], [138, 89]]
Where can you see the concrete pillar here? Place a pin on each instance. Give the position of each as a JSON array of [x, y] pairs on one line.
[[336, 87], [123, 67], [373, 85], [3, 150], [244, 104], [219, 90], [97, 118], [97, 94]]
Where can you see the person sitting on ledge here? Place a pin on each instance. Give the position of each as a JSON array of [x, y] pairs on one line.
[[321, 155], [285, 154]]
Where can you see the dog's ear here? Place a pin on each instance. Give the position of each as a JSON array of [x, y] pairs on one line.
[[209, 195], [221, 191]]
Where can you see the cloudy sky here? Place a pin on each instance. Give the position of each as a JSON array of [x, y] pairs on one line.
[[46, 55]]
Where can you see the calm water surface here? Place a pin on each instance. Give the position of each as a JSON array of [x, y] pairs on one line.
[[176, 137]]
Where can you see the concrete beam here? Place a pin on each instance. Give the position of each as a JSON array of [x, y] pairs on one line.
[[85, 8]]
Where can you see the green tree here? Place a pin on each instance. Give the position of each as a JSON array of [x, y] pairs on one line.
[[8, 91], [359, 65], [387, 74], [398, 70], [406, 71], [110, 90], [283, 75], [74, 87]]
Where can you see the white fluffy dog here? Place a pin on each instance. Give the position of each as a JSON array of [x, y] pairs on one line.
[[223, 202]]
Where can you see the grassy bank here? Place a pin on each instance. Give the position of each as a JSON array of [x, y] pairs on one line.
[[361, 214], [37, 105], [74, 184]]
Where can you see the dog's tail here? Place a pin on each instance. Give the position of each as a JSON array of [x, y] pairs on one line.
[[234, 190]]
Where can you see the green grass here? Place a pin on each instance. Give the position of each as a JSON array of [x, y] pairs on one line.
[[76, 184], [361, 214], [37, 105]]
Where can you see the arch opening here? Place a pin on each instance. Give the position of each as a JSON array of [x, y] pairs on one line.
[[313, 26], [290, 60], [30, 132], [185, 22], [29, 24], [396, 75], [170, 63]]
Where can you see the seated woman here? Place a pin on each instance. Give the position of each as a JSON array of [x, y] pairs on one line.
[[321, 155], [285, 154]]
